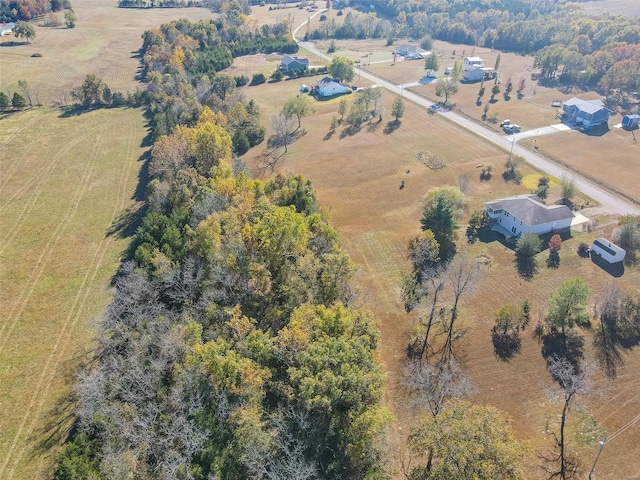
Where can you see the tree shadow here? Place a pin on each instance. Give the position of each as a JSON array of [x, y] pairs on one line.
[[527, 266], [392, 127], [552, 345], [373, 126], [505, 345], [607, 351], [350, 131], [13, 43], [329, 135]]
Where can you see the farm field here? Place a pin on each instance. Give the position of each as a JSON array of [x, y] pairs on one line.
[[358, 180], [105, 42], [67, 182], [613, 7]]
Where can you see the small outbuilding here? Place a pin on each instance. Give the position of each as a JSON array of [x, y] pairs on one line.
[[630, 122], [607, 251]]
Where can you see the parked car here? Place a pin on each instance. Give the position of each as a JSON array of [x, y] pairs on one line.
[[508, 129], [516, 128], [431, 74], [447, 71], [505, 122]]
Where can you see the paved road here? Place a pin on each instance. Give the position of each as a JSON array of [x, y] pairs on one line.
[[608, 200]]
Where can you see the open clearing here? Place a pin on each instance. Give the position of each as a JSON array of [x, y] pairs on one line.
[[66, 182], [358, 181], [613, 7], [105, 41]]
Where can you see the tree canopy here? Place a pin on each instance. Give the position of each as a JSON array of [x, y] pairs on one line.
[[466, 441], [341, 69]]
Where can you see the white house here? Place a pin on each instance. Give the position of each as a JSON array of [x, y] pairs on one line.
[[473, 69], [515, 216], [6, 28], [327, 87], [607, 251]]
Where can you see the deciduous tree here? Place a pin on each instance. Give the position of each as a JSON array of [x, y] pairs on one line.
[[24, 29], [466, 441], [431, 62], [341, 68], [397, 109], [568, 307]]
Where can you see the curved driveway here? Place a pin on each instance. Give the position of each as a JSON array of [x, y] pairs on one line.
[[608, 200]]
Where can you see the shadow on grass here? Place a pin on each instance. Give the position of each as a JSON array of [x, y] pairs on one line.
[[553, 344], [505, 345], [350, 131], [392, 127], [527, 266], [614, 269]]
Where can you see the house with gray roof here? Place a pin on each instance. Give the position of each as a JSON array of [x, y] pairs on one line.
[[515, 216], [289, 63], [585, 112], [327, 87]]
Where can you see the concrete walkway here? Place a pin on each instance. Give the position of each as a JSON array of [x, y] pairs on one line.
[[610, 201]]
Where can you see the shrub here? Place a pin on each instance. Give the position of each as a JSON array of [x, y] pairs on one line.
[[241, 81], [583, 249], [36, 55], [258, 79]]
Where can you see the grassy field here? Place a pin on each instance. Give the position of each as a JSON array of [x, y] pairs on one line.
[[358, 180], [66, 181], [105, 41]]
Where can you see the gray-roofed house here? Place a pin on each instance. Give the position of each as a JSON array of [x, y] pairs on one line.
[[412, 51], [327, 87], [585, 112], [607, 251], [291, 63], [515, 216]]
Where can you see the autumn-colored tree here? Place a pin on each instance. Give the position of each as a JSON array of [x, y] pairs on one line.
[[466, 441]]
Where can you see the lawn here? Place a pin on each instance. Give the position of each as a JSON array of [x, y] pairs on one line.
[[66, 183], [358, 180]]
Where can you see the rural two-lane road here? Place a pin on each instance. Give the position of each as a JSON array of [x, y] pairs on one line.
[[609, 201]]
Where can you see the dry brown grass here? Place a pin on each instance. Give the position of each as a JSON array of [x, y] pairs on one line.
[[612, 7], [358, 179], [105, 41]]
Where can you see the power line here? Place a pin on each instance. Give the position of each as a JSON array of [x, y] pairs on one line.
[[618, 432]]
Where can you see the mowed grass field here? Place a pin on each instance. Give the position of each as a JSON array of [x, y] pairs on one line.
[[358, 180], [65, 185], [105, 41]]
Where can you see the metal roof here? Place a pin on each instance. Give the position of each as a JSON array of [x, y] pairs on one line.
[[530, 210]]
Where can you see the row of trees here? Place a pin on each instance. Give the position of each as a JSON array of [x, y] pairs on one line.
[[13, 10]]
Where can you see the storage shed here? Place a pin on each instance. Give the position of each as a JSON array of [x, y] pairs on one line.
[[607, 251], [630, 121]]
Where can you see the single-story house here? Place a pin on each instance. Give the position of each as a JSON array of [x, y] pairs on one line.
[[473, 62], [291, 63], [410, 50], [607, 251], [585, 112], [515, 216], [327, 87], [630, 121], [6, 28]]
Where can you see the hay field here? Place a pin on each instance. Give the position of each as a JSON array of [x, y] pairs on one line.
[[629, 8], [358, 181], [65, 185], [105, 41]]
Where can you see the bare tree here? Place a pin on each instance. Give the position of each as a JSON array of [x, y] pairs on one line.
[[572, 383], [433, 283], [461, 274], [431, 387]]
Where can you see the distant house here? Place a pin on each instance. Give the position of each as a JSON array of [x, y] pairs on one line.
[[411, 51], [473, 69], [585, 112], [607, 251], [6, 28], [291, 63], [630, 122], [515, 216], [327, 87]]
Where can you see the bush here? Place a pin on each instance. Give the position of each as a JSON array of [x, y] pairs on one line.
[[583, 249], [323, 18], [277, 75], [36, 55], [241, 81], [426, 43], [258, 79]]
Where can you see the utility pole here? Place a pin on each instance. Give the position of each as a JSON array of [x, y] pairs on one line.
[[593, 469]]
